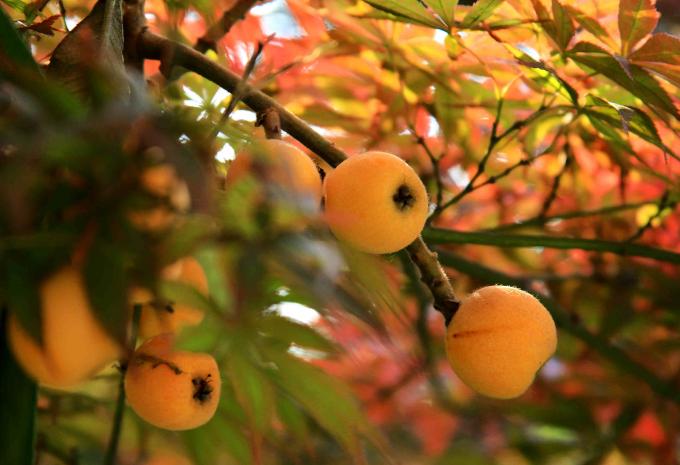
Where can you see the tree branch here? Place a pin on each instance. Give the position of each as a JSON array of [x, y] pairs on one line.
[[156, 47], [153, 46]]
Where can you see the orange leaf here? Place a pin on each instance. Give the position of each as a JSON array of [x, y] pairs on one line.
[[637, 19], [661, 53]]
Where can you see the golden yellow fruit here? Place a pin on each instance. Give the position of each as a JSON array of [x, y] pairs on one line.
[[171, 318], [74, 344], [498, 339], [170, 389], [375, 202], [281, 164], [161, 181]]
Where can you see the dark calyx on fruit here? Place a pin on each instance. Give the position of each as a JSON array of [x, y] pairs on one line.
[[403, 198], [202, 388]]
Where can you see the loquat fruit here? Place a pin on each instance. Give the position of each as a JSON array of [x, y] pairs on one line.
[[171, 318], [170, 389], [74, 344], [498, 339], [375, 202], [280, 163], [161, 181]]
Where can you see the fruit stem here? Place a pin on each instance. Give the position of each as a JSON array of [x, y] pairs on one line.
[[114, 438]]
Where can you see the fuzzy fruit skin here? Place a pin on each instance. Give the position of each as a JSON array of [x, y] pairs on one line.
[[161, 385], [75, 345], [360, 208], [161, 181], [281, 163], [154, 321], [498, 339]]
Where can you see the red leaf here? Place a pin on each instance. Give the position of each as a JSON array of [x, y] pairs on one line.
[[637, 19], [44, 26], [661, 53], [649, 430]]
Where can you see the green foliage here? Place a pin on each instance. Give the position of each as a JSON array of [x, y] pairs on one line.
[[480, 11], [18, 395], [14, 51]]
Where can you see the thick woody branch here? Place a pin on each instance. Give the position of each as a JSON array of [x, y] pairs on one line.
[[156, 47]]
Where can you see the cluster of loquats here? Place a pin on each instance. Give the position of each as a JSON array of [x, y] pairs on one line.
[[172, 389], [169, 389], [375, 202]]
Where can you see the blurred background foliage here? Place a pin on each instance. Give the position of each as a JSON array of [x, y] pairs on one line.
[[547, 134]]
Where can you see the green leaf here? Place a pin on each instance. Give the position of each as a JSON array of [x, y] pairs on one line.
[[106, 285], [661, 54], [626, 118], [212, 261], [252, 389], [18, 397], [479, 12], [544, 76], [637, 20], [14, 52], [17, 5], [608, 129], [328, 401], [445, 9], [99, 34], [411, 10], [629, 76], [564, 27], [230, 438], [289, 331], [182, 293], [448, 236], [291, 415], [22, 295]]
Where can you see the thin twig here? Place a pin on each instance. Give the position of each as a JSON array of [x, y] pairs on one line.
[[114, 438], [62, 11], [547, 203], [439, 193], [494, 140], [240, 87]]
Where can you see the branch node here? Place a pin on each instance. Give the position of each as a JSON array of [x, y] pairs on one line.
[[270, 120]]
